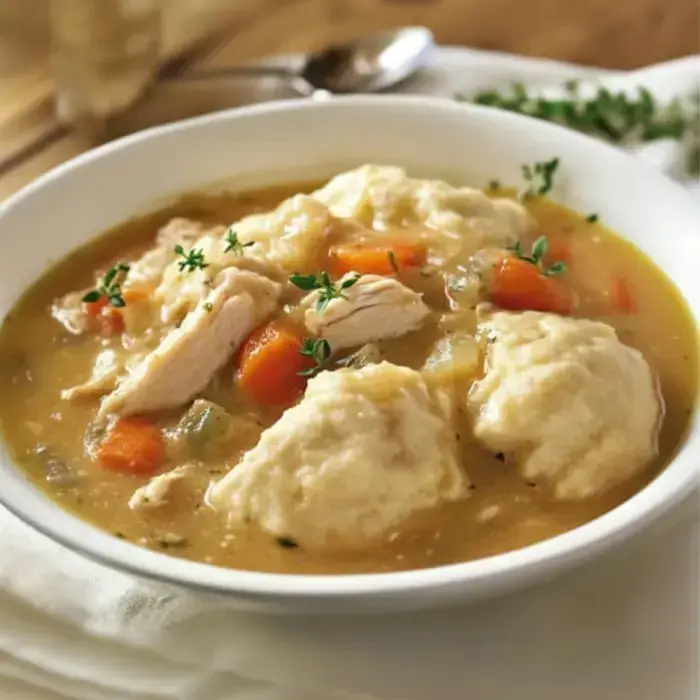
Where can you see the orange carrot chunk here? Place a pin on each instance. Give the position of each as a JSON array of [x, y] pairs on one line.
[[558, 250], [622, 298], [93, 308], [133, 445], [519, 285], [137, 295], [110, 321], [384, 259], [269, 364]]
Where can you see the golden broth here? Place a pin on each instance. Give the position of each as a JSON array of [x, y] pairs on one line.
[[38, 359]]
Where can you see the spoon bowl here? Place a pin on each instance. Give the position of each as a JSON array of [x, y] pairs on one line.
[[371, 64]]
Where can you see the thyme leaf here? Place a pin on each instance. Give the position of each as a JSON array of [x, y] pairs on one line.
[[327, 290], [110, 287], [233, 245], [319, 350], [536, 257], [192, 260]]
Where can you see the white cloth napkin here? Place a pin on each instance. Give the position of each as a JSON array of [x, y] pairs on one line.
[[625, 626]]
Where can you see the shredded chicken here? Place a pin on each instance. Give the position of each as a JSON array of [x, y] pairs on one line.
[[154, 494], [189, 356], [69, 311], [105, 374], [374, 308]]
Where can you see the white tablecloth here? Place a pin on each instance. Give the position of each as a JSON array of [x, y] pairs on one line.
[[623, 628]]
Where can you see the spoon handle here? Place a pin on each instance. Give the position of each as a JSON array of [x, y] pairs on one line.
[[235, 72]]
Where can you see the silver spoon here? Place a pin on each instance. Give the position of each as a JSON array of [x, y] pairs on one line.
[[371, 64]]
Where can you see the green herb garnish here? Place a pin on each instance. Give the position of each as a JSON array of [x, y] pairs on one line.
[[194, 260], [536, 257], [540, 176], [287, 542], [613, 116], [111, 287], [319, 349], [494, 185], [327, 289], [233, 244], [592, 218]]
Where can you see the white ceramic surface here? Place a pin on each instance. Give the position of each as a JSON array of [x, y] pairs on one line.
[[296, 140]]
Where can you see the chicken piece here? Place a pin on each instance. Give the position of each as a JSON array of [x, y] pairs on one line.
[[180, 291], [186, 360], [462, 219], [69, 311], [108, 369], [363, 451], [374, 308], [565, 400], [104, 377], [154, 494]]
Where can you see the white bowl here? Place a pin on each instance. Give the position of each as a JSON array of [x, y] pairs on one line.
[[298, 140]]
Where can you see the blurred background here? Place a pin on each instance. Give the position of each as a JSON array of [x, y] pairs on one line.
[[73, 72]]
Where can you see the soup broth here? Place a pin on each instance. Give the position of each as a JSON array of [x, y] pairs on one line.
[[39, 359]]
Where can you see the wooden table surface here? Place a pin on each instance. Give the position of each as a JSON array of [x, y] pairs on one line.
[[622, 35]]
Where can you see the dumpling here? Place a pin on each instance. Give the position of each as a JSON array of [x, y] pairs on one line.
[[463, 218], [362, 451], [297, 234], [566, 400]]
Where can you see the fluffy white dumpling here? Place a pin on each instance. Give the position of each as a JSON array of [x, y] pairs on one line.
[[464, 218], [566, 400], [362, 451]]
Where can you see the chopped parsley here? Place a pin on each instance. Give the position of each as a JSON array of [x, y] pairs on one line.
[[592, 218], [536, 257], [327, 290], [194, 260], [319, 350], [233, 245], [111, 287], [495, 185], [540, 177], [286, 542]]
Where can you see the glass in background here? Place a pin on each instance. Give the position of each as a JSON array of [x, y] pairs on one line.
[[104, 54]]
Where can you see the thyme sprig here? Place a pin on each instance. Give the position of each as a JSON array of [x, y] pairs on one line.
[[536, 257], [328, 290], [110, 287]]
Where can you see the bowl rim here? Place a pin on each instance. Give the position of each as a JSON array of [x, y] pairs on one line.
[[26, 501]]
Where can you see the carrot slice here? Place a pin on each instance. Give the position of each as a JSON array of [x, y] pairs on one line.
[[137, 295], [111, 321], [621, 296], [376, 259], [269, 364], [93, 308], [133, 446], [558, 250], [519, 285]]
